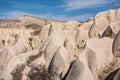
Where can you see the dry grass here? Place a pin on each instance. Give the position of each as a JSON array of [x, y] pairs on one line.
[[39, 73], [106, 70], [17, 72]]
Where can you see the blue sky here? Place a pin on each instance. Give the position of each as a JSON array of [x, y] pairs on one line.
[[79, 10]]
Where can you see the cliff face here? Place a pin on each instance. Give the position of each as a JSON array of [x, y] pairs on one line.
[[38, 49]]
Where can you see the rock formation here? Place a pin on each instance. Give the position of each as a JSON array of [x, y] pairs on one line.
[[39, 49]]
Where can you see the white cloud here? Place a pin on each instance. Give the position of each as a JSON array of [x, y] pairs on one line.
[[117, 4], [17, 13], [82, 17], [12, 14], [70, 5]]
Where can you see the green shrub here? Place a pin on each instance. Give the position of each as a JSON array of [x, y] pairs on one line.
[[17, 72], [39, 74]]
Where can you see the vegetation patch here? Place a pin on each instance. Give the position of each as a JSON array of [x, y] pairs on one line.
[[39, 73], [17, 72], [33, 26], [106, 70]]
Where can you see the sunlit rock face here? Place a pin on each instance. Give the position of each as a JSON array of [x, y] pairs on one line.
[[109, 18], [39, 49]]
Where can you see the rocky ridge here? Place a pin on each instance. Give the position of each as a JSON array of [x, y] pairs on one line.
[[38, 49]]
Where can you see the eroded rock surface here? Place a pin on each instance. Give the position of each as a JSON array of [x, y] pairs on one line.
[[40, 49]]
